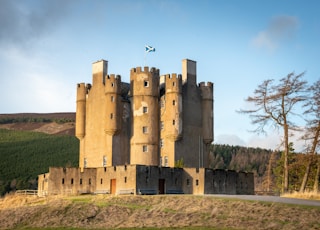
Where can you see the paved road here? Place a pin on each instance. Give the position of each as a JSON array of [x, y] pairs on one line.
[[276, 199]]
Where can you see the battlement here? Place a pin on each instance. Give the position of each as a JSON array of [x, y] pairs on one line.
[[112, 83], [173, 83], [145, 70], [206, 84], [206, 90], [81, 91]]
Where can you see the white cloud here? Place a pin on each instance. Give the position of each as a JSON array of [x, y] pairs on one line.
[[281, 28], [33, 85], [229, 140]]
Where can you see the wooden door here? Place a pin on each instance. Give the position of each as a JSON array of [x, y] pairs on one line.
[[113, 183], [161, 186]]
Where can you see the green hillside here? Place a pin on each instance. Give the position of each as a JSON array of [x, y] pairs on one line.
[[26, 154]]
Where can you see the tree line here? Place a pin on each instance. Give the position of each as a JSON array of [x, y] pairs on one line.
[[11, 120]]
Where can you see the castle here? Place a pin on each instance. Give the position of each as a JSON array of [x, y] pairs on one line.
[[151, 136]]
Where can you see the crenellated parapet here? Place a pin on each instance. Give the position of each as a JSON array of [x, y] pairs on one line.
[[112, 84], [206, 90], [173, 83], [144, 81]]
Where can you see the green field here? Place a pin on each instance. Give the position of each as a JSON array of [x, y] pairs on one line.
[[26, 154]]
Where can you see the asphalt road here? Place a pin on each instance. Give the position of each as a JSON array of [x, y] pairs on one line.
[[276, 199]]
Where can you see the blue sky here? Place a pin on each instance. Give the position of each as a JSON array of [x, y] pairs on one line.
[[47, 47]]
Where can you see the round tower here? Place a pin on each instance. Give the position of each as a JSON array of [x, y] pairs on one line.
[[207, 111], [173, 107], [113, 101], [144, 89], [81, 110]]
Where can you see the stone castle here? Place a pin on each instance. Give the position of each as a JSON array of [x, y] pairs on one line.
[[151, 136]]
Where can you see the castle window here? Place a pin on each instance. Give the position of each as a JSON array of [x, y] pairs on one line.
[[145, 109], [145, 129], [112, 84], [125, 179], [112, 98], [111, 115], [89, 180], [104, 161], [71, 180], [85, 162], [188, 181], [173, 83], [197, 182], [80, 180], [166, 163], [174, 102], [161, 143], [162, 103], [62, 180], [161, 125], [146, 83], [173, 122], [144, 148], [101, 180]]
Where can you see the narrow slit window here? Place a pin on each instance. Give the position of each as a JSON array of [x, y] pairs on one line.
[[111, 115], [146, 83], [166, 163], [174, 102], [145, 109], [112, 98], [145, 129], [144, 148], [173, 122]]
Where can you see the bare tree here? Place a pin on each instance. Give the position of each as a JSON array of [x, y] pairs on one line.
[[274, 103], [312, 133]]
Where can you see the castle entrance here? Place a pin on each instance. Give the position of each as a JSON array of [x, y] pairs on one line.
[[113, 184], [162, 183]]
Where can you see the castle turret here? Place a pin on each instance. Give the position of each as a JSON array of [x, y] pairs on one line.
[[173, 107], [81, 110], [207, 111], [113, 102], [144, 89]]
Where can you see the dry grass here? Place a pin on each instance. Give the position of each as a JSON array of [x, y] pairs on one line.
[[304, 195], [109, 212]]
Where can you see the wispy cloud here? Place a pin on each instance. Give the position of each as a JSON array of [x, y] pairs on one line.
[[280, 29]]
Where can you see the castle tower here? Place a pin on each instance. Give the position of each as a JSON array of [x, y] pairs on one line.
[[144, 88], [207, 111], [81, 111], [173, 107], [113, 102]]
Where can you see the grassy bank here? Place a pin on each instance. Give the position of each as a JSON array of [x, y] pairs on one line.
[[152, 212]]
